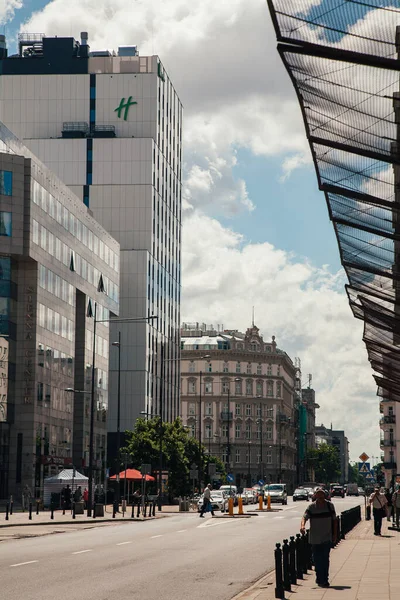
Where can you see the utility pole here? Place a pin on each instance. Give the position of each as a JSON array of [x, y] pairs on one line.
[[160, 461]]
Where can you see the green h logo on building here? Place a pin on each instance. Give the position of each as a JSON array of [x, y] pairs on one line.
[[124, 106]]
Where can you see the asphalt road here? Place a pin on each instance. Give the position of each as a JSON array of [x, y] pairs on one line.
[[173, 558]]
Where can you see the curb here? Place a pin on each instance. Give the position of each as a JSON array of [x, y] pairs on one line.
[[97, 521]]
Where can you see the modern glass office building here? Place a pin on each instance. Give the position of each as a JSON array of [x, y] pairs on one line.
[[110, 126], [57, 267]]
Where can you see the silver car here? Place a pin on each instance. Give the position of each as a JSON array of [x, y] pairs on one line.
[[276, 492], [219, 501]]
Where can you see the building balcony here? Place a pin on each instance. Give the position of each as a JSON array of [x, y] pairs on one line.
[[389, 466], [387, 420], [226, 415], [387, 443]]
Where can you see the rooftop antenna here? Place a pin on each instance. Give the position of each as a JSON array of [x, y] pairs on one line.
[[253, 317]]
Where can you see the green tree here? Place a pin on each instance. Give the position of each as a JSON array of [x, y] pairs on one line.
[[179, 451], [354, 475], [326, 463]]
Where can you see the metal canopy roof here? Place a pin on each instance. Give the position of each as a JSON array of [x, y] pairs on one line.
[[342, 58]]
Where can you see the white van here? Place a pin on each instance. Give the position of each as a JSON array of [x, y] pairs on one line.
[[232, 490]]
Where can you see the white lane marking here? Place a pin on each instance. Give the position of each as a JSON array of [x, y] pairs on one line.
[[155, 536], [278, 517], [82, 551], [29, 562], [216, 522], [123, 543], [181, 531]]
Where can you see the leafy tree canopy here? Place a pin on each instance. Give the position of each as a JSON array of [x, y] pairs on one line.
[[326, 463]]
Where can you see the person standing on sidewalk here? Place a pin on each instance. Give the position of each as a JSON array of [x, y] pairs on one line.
[[323, 532], [378, 502], [207, 501], [396, 507]]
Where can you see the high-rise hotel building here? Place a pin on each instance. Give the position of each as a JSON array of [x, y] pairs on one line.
[[110, 126]]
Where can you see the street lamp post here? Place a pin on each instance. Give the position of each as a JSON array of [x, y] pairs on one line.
[[118, 345], [248, 464]]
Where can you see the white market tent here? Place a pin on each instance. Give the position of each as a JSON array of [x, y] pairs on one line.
[[55, 483]]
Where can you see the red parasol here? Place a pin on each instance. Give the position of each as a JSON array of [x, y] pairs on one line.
[[133, 475]]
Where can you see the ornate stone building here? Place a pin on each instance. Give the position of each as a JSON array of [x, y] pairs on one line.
[[237, 395]]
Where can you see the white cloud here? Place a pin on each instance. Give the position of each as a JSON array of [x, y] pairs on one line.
[[303, 306], [8, 8]]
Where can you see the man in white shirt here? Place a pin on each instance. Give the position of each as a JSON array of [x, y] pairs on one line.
[[207, 501], [378, 502]]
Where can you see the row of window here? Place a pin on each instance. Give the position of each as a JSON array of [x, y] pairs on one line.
[[240, 410], [64, 254], [251, 368], [55, 360], [227, 345], [259, 388], [56, 285], [71, 223], [52, 320], [6, 180]]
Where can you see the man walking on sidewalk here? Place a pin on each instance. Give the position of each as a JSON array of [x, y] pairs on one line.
[[396, 507], [207, 501], [378, 502], [323, 531]]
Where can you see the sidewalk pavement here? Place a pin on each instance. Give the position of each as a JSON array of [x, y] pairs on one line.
[[363, 567]]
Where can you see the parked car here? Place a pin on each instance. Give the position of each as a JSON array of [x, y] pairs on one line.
[[300, 494], [277, 493], [361, 492], [250, 495], [219, 501], [310, 492], [338, 490]]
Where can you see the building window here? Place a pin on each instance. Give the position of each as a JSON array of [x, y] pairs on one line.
[[6, 183], [224, 431], [192, 430], [278, 389], [225, 407], [238, 388], [278, 370], [270, 412], [259, 369], [224, 456], [192, 367], [248, 410], [225, 387], [268, 432], [192, 387], [268, 349], [238, 409], [258, 432], [238, 367], [237, 431], [270, 388], [258, 458], [208, 367], [268, 457], [40, 392], [248, 456], [248, 369], [248, 431], [237, 456], [269, 369], [6, 223], [390, 409], [208, 410], [254, 347], [225, 368], [192, 409], [249, 388], [208, 431], [259, 388], [208, 387], [258, 410]]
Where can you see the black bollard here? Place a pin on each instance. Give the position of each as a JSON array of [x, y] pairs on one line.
[[145, 509], [114, 510], [94, 511], [63, 508], [292, 560], [138, 510], [286, 566], [309, 552], [279, 590], [11, 507], [304, 552], [37, 506], [154, 509], [339, 535], [299, 557], [73, 510], [30, 511], [7, 512], [133, 511], [368, 513]]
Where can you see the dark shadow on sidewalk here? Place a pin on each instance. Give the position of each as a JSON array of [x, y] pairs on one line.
[[386, 536], [339, 587]]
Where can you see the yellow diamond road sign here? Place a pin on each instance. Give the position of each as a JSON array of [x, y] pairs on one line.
[[364, 457]]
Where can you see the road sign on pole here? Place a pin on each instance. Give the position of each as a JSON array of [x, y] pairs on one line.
[[261, 482], [364, 467], [363, 457], [230, 478]]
